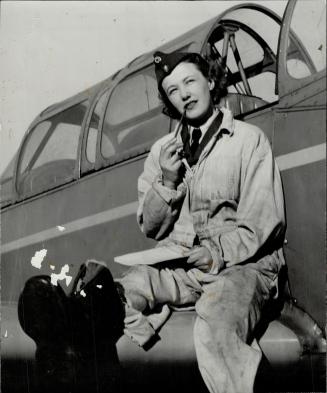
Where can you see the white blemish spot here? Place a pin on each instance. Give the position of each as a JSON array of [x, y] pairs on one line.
[[38, 258], [6, 334], [99, 286], [52, 267], [61, 276], [83, 293], [60, 228]]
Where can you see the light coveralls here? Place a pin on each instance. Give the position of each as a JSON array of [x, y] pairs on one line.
[[232, 203]]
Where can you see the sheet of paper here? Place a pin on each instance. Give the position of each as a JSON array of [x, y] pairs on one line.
[[152, 256]]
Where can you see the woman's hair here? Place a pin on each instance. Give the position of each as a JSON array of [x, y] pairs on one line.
[[211, 71]]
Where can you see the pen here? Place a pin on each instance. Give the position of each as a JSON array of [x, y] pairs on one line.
[[179, 124], [175, 135], [186, 164]]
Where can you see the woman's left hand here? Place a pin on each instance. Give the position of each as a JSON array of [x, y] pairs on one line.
[[200, 257]]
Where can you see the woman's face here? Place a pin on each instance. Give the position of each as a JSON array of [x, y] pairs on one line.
[[189, 90]]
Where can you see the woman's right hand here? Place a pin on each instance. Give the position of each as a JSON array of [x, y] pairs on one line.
[[171, 163]]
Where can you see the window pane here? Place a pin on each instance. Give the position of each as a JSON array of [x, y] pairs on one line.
[[297, 66], [309, 26], [250, 51], [123, 131], [6, 187], [61, 145], [50, 153], [34, 141], [126, 142], [262, 24], [128, 100], [94, 127], [262, 83], [91, 144], [263, 86], [151, 83]]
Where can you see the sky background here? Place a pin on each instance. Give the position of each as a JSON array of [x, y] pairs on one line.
[[51, 50]]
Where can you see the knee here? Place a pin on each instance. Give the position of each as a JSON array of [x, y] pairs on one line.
[[136, 284], [209, 308], [211, 303], [219, 310], [137, 277]]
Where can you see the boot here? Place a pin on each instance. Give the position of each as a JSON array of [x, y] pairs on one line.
[[95, 300], [75, 335], [42, 313], [100, 301]]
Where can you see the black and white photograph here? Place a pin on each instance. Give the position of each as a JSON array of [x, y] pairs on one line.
[[163, 192]]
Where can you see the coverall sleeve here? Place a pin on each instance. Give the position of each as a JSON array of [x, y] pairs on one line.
[[159, 206], [260, 219]]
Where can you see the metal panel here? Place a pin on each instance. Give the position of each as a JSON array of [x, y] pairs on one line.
[[299, 145], [95, 211], [299, 128]]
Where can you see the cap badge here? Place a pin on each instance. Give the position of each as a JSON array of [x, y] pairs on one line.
[[157, 59]]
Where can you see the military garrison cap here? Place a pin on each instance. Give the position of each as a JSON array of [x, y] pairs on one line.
[[166, 62]]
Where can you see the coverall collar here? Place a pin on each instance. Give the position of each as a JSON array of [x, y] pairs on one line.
[[227, 125]]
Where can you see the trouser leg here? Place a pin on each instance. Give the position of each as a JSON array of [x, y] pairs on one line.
[[228, 311], [146, 287]]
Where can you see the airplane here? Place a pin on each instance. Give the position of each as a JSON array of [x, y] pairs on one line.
[[70, 193]]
